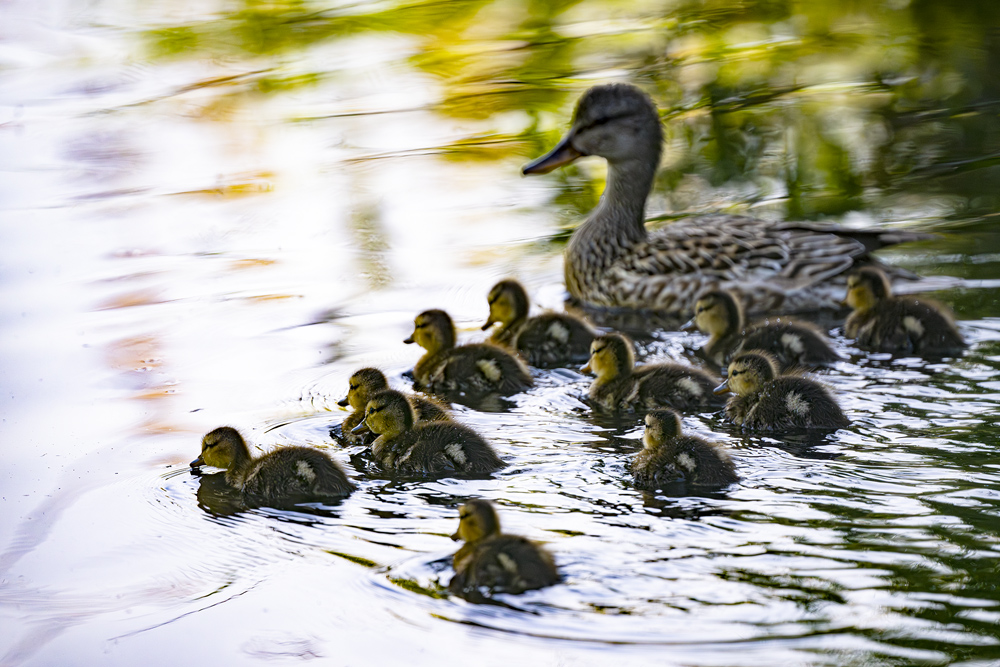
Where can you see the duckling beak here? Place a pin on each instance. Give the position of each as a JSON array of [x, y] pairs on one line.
[[409, 340], [343, 402], [197, 463], [490, 322], [722, 388], [455, 537], [586, 368], [361, 428], [563, 153], [689, 325]]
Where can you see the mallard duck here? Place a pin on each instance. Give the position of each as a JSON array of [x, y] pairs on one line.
[[283, 476], [479, 368], [367, 382], [719, 314], [494, 561], [897, 324], [549, 339], [619, 385], [765, 401], [426, 447], [612, 261], [668, 454]]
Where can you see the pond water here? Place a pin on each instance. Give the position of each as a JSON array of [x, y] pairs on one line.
[[215, 214]]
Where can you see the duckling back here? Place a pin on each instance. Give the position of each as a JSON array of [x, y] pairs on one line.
[[503, 564], [554, 339], [901, 325], [294, 474], [437, 447], [479, 368], [697, 461], [672, 385], [787, 402], [792, 344]]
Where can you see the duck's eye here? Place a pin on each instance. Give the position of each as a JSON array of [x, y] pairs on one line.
[[597, 350], [733, 374], [353, 387]]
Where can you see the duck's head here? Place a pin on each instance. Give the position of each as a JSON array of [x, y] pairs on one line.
[[748, 372], [661, 425], [616, 121], [508, 303], [717, 313], [387, 413], [433, 330], [866, 287], [611, 355], [477, 520], [222, 448], [364, 384]]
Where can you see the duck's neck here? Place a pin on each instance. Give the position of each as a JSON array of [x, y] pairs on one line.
[[238, 470], [623, 204]]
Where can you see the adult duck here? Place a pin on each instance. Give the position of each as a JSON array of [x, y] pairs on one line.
[[612, 261]]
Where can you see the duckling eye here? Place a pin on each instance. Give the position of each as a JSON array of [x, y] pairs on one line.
[[353, 387], [598, 349], [733, 374]]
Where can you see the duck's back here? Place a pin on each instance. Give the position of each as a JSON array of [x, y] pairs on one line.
[[905, 324], [787, 402], [505, 564], [551, 339], [673, 385], [698, 462], [479, 368], [437, 447], [791, 343], [295, 474]]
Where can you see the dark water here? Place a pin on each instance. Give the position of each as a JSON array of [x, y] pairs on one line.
[[215, 214]]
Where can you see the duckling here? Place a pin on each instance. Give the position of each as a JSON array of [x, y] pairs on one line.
[[619, 385], [897, 324], [612, 261], [425, 447], [367, 382], [765, 401], [669, 454], [479, 368], [286, 475], [719, 314], [549, 339], [494, 561]]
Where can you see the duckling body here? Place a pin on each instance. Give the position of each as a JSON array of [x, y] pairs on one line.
[[612, 261], [897, 324], [619, 385], [478, 369], [549, 339], [668, 454], [765, 401], [367, 382], [494, 561], [283, 476], [421, 448], [719, 314]]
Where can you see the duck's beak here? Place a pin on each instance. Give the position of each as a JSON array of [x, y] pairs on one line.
[[343, 402], [586, 368], [489, 322], [409, 340], [197, 463], [361, 428], [455, 537], [722, 388], [563, 153], [689, 326]]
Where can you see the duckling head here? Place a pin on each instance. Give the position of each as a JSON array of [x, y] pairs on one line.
[[477, 520], [222, 448], [611, 355], [364, 384], [748, 372], [866, 287], [508, 303], [661, 425], [388, 413], [717, 313], [616, 121], [433, 330]]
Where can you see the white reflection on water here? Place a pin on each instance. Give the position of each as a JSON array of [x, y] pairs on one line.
[[181, 251]]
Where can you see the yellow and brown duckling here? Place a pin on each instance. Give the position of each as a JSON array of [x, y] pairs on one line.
[[897, 324], [669, 454], [612, 260], [620, 385], [719, 314], [283, 476], [549, 339], [493, 561], [426, 447], [367, 382], [766, 401], [479, 368]]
